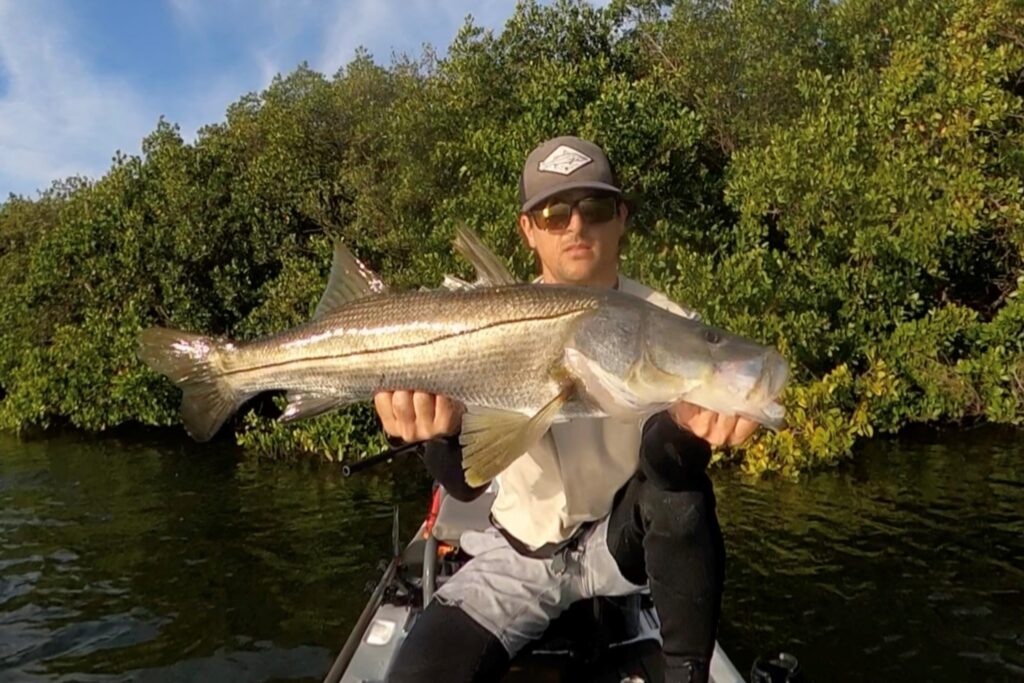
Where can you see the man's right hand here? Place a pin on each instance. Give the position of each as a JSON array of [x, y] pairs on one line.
[[417, 415]]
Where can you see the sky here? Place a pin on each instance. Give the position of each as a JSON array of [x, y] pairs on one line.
[[82, 79]]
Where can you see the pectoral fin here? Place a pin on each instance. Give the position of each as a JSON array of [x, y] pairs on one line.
[[494, 439]]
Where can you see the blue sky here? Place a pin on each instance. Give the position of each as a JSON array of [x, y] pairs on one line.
[[80, 79]]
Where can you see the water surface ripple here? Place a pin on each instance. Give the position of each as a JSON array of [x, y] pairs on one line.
[[136, 560], [906, 565], [156, 559]]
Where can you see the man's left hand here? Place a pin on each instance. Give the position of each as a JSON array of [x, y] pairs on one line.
[[715, 428]]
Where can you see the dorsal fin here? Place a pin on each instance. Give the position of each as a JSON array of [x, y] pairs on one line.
[[490, 270], [456, 284], [349, 280]]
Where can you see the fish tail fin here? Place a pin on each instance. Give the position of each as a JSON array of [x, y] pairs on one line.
[[193, 363]]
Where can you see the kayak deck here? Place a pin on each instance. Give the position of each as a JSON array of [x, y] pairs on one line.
[[604, 639]]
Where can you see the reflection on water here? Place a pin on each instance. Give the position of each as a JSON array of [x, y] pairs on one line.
[[906, 565], [164, 560], [157, 561]]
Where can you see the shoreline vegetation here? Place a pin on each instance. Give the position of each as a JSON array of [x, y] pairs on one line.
[[840, 179]]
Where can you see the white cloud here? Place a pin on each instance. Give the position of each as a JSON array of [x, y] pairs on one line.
[[267, 41], [266, 31], [386, 27], [189, 13], [56, 117], [61, 116], [349, 28]]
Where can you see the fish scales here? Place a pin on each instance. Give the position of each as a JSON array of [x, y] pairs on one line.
[[518, 356], [499, 346]]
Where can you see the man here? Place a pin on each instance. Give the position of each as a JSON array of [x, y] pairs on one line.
[[599, 506]]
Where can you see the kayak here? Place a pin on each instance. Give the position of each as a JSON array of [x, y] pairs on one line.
[[603, 639]]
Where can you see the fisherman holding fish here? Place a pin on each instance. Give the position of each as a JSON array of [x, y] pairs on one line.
[[597, 506], [567, 394]]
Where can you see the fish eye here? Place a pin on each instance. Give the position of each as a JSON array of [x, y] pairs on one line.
[[712, 337]]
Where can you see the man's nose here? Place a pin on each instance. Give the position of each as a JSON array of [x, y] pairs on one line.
[[576, 222]]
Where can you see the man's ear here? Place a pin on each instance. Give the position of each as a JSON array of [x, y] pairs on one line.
[[526, 230]]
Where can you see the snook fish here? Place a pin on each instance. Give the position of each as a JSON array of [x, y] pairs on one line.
[[519, 356]]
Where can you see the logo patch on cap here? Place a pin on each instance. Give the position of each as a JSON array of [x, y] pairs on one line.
[[564, 160]]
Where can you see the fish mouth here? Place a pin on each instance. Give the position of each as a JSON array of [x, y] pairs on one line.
[[760, 392], [769, 374]]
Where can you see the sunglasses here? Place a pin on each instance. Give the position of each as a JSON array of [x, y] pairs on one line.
[[555, 216]]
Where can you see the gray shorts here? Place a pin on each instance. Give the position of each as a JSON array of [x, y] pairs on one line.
[[515, 597]]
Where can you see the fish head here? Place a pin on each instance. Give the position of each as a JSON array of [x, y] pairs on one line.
[[687, 360]]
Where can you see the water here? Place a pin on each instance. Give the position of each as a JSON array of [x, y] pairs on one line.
[[906, 565], [158, 561], [155, 559]]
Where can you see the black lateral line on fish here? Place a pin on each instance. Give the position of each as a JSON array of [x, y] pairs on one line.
[[399, 347]]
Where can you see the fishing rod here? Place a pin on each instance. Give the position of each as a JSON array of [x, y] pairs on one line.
[[349, 469]]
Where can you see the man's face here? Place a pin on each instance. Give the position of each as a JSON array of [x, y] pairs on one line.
[[584, 252]]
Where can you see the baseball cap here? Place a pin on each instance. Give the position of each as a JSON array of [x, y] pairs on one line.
[[564, 163]]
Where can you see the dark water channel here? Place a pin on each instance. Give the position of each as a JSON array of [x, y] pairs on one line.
[[154, 559]]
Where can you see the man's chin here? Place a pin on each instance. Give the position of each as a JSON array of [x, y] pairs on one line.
[[582, 259], [580, 275]]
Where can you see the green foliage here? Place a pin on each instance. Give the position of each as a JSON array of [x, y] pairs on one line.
[[840, 179], [738, 63], [345, 435]]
